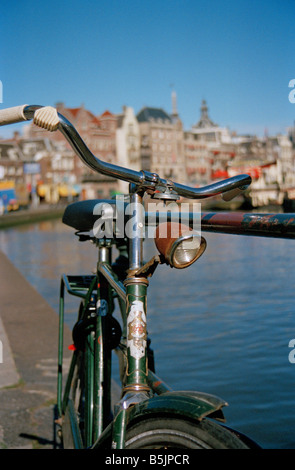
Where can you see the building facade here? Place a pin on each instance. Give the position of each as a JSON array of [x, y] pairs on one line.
[[128, 143], [162, 150], [38, 167], [153, 140], [208, 148]]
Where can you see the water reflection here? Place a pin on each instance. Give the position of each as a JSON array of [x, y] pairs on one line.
[[222, 325]]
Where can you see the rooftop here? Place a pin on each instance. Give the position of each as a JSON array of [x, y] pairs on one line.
[[204, 121], [147, 114]]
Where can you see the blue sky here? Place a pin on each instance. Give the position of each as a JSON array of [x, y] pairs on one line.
[[238, 55]]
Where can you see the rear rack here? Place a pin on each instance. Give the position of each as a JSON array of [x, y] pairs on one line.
[[78, 285]]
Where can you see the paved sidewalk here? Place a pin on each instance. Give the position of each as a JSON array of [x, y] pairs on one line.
[[28, 366]]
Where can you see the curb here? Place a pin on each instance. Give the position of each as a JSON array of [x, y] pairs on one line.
[[9, 375]]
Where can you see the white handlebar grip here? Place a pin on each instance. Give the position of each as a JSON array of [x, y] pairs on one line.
[[47, 118], [12, 115]]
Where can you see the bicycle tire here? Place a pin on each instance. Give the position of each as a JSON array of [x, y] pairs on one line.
[[162, 433]]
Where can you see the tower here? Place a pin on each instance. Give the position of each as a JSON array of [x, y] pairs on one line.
[[204, 121], [174, 105]]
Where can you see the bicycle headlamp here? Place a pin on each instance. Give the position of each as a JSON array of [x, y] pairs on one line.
[[179, 244]]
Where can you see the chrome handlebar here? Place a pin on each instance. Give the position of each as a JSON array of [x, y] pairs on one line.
[[149, 182]]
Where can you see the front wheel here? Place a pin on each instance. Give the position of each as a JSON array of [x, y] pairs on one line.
[[163, 433]]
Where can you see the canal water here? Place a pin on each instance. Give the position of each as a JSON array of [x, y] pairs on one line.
[[221, 326]]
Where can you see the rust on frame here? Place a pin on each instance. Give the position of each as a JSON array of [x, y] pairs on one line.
[[266, 225]]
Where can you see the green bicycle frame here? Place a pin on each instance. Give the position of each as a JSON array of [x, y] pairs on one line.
[[140, 383], [97, 353]]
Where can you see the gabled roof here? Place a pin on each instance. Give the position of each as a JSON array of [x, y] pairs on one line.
[[74, 112], [95, 120], [107, 114], [147, 114]]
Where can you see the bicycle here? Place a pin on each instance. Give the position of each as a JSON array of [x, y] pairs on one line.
[[148, 414]]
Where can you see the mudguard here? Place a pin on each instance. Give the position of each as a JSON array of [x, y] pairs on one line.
[[187, 404], [193, 405]]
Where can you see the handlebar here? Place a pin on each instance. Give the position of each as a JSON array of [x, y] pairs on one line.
[[48, 118]]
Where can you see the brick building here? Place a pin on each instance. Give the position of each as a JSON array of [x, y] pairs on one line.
[[99, 134], [38, 166]]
